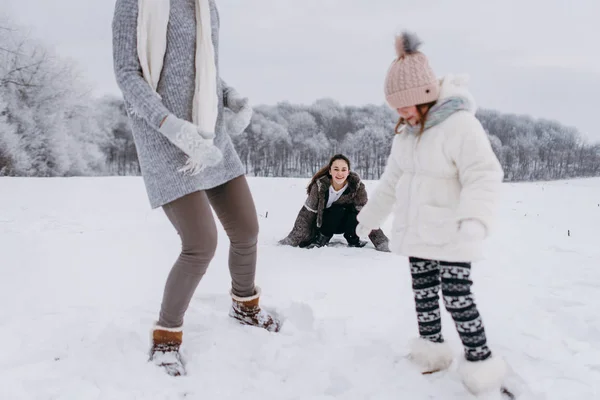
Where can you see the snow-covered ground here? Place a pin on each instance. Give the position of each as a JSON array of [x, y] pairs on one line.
[[83, 262]]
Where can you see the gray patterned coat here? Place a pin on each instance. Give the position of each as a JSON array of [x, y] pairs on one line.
[[310, 217]]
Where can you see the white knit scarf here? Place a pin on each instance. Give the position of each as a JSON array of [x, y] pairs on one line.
[[153, 17]]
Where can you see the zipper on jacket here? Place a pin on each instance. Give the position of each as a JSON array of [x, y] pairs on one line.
[[410, 188]]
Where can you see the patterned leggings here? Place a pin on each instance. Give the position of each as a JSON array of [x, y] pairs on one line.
[[456, 284]]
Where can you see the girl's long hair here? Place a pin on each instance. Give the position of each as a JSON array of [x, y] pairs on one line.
[[325, 170], [423, 110]]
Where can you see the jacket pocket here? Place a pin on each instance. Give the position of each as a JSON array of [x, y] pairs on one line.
[[437, 225]]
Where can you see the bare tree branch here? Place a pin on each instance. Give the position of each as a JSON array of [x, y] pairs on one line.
[[10, 51], [6, 81]]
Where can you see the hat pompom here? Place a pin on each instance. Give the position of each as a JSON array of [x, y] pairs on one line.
[[407, 43]]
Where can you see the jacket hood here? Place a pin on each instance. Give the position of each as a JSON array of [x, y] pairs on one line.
[[457, 86]]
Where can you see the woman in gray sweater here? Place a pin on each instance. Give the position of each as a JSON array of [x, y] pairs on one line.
[[166, 139]]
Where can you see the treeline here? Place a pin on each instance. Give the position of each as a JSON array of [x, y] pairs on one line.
[[50, 125], [294, 140]]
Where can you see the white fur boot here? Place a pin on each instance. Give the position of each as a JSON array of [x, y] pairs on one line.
[[430, 357], [483, 378]]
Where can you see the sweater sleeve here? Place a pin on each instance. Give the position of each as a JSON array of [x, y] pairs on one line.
[[226, 90], [375, 212], [143, 100], [305, 223], [224, 86], [361, 197], [312, 201], [479, 171]]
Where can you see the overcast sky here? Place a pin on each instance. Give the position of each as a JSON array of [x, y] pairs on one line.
[[536, 57]]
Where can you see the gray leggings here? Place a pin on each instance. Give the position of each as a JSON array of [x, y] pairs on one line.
[[192, 217]]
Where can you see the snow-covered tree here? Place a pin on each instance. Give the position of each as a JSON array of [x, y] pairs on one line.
[[51, 126], [48, 125]]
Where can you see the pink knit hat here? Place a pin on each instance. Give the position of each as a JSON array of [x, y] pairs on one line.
[[410, 80]]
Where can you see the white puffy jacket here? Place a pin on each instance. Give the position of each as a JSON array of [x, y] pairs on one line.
[[434, 182]]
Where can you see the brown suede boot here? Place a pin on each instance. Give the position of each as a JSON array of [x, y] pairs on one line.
[[247, 311], [165, 350]]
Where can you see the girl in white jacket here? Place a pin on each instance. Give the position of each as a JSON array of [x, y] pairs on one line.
[[440, 184]]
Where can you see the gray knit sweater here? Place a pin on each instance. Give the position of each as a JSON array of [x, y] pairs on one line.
[[159, 158]]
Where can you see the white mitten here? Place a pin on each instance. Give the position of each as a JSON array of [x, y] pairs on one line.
[[243, 117], [242, 113], [471, 230], [196, 144], [236, 124], [235, 102], [362, 230]]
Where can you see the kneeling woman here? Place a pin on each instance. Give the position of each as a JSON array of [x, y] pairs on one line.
[[335, 196]]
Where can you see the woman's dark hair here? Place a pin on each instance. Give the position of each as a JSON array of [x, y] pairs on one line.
[[423, 110], [325, 170]]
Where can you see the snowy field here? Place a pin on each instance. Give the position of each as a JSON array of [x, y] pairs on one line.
[[83, 262]]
